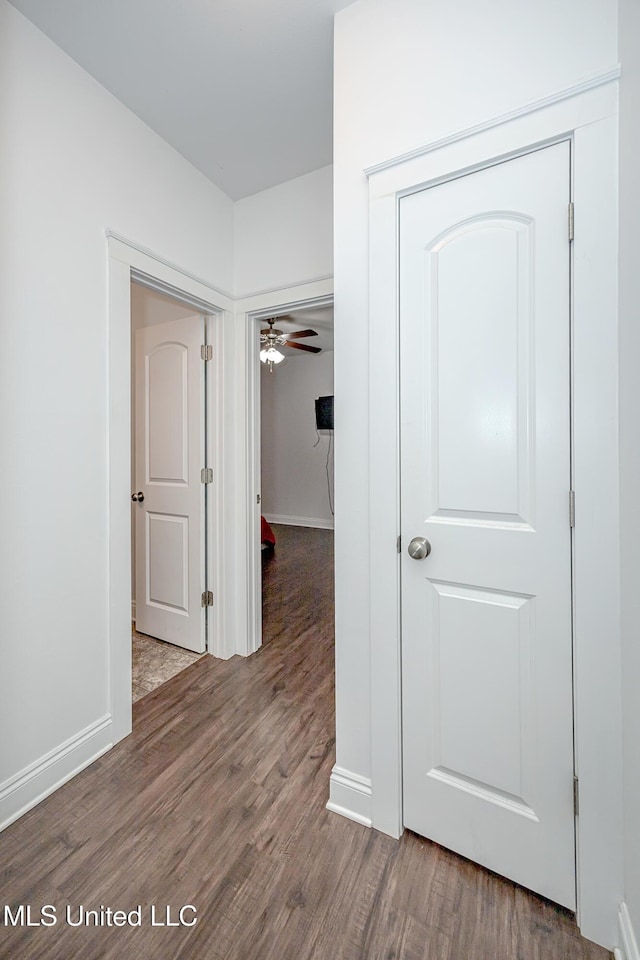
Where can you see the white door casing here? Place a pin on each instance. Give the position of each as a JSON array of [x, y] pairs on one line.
[[170, 451], [485, 478]]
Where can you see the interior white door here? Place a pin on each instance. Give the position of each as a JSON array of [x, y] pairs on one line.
[[485, 478], [169, 454]]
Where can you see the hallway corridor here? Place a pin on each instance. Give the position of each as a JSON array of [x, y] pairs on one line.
[[217, 800]]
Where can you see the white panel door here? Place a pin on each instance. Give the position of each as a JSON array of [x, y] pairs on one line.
[[485, 478], [170, 521]]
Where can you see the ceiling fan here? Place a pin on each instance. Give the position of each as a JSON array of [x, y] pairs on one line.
[[271, 338]]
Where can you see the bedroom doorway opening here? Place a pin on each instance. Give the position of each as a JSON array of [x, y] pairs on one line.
[[293, 469]]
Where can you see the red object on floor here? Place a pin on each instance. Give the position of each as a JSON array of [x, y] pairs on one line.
[[267, 536]]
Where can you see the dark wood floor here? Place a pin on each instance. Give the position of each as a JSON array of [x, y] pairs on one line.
[[218, 798]]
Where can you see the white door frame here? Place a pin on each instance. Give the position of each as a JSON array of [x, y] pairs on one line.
[[129, 262], [254, 310], [587, 115]]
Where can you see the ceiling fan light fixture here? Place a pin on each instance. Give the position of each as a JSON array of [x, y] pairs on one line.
[[271, 355]]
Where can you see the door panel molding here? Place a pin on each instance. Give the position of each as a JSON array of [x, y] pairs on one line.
[[589, 120]]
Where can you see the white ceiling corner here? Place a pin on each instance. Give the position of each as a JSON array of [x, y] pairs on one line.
[[241, 88]]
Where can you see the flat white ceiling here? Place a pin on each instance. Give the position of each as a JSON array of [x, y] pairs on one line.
[[241, 88]]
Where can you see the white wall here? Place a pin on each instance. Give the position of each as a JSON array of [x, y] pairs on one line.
[[629, 293], [283, 236], [74, 163], [408, 72], [294, 480]]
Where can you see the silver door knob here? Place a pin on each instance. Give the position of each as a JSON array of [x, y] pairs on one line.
[[419, 548], [137, 497]]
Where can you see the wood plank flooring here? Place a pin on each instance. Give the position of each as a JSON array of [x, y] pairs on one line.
[[218, 798]]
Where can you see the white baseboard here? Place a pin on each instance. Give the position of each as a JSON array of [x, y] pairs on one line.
[[350, 795], [25, 789], [628, 947], [315, 522]]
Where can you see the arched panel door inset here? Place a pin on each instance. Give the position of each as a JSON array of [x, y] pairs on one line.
[[479, 276]]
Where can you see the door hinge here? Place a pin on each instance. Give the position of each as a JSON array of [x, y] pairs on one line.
[[206, 475], [258, 498], [576, 797], [207, 599], [572, 508], [571, 221], [206, 351], [399, 543]]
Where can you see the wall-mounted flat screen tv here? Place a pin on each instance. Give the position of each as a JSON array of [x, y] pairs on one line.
[[324, 413]]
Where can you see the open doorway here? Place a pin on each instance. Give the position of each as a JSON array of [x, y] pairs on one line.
[[296, 467], [129, 262], [168, 483]]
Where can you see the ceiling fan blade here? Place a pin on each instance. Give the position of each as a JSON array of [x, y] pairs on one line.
[[296, 334], [303, 346]]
